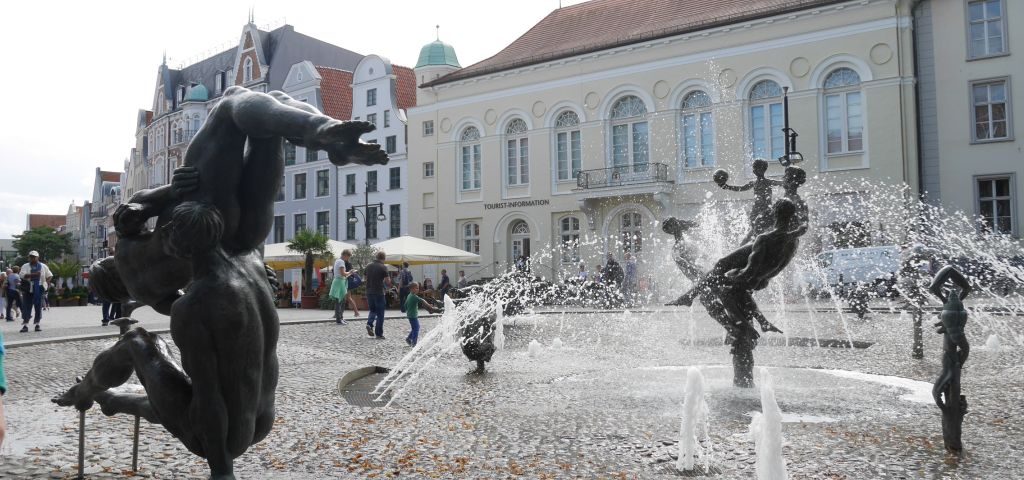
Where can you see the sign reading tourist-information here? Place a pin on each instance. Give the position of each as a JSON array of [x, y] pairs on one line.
[[521, 203]]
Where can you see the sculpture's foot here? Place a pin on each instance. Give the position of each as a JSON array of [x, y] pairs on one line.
[[324, 131], [767, 326], [74, 397], [686, 300], [480, 368]]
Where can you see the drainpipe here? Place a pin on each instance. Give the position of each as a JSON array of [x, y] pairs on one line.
[[917, 98]]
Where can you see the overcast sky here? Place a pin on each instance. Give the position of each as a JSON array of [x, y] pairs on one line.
[[75, 73]]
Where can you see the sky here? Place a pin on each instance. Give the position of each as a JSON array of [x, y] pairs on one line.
[[75, 73]]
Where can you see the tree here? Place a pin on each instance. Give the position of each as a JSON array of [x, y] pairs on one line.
[[363, 256], [65, 270], [50, 244], [311, 244]]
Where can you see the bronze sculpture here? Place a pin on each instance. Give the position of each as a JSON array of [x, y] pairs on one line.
[[946, 391], [760, 211], [211, 221]]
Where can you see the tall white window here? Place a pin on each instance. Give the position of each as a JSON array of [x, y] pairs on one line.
[[631, 232], [371, 97], [471, 238], [986, 22], [517, 153], [570, 232], [698, 130], [248, 70], [766, 120], [844, 112], [991, 102], [470, 158], [629, 135], [568, 149], [196, 123], [995, 204]]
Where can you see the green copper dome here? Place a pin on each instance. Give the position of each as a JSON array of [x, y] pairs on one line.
[[198, 93], [437, 53]]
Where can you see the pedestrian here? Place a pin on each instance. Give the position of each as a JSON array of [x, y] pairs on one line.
[[3, 294], [412, 304], [38, 277], [376, 281], [613, 271], [13, 292], [354, 280], [462, 282], [582, 276], [339, 288], [445, 284], [404, 280], [629, 283]]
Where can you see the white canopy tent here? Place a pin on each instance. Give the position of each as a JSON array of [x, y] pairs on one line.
[[279, 257], [418, 251]]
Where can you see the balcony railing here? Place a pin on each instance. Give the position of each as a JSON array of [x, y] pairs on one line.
[[635, 174]]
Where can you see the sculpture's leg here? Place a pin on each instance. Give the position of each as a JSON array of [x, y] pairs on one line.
[[918, 348], [480, 367], [953, 413], [743, 362]]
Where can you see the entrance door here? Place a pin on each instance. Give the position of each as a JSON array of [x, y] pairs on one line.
[[519, 234]]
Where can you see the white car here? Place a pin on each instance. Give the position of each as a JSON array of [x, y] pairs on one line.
[[871, 265]]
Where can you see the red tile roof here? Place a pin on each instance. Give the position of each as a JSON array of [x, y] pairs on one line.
[[110, 176], [336, 92], [406, 87], [41, 220], [603, 24]]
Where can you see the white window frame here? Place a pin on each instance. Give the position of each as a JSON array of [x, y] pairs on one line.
[[387, 118], [317, 192], [469, 153], [247, 70], [471, 237], [844, 93], [305, 186], [1012, 180], [1008, 109], [630, 120], [567, 125], [771, 134], [372, 118], [697, 113], [428, 169], [517, 153], [986, 23], [316, 221], [428, 230], [634, 245], [569, 239], [295, 224], [371, 97], [428, 128]]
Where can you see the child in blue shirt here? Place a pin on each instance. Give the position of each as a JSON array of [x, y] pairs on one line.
[[412, 305]]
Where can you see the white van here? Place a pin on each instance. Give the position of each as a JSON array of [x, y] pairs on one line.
[[871, 265]]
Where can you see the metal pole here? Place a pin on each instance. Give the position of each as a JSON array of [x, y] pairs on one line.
[[81, 444], [785, 116], [366, 213], [135, 446]]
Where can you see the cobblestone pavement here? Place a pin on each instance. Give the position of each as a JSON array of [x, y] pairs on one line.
[[605, 405]]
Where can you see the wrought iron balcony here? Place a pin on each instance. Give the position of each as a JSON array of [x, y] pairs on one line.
[[624, 175]]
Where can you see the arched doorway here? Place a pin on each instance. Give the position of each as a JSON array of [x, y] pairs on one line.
[[519, 240]]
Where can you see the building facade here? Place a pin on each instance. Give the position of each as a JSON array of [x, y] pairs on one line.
[[99, 233], [971, 82], [573, 132]]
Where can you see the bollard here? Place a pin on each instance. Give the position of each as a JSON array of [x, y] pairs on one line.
[[135, 447], [81, 444]]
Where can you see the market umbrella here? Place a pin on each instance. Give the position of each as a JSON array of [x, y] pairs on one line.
[[418, 251], [279, 257]]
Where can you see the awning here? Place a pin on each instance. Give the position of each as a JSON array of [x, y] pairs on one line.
[[279, 257], [418, 251]]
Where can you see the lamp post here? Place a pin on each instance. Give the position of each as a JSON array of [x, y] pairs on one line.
[[365, 213], [791, 156]]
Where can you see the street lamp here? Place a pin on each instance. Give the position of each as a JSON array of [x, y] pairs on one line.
[[366, 218], [791, 156]]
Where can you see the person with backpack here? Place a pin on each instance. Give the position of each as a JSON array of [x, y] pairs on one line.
[[12, 292]]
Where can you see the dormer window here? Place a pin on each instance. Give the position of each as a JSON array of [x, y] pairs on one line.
[[248, 70], [181, 94], [298, 76], [218, 85]]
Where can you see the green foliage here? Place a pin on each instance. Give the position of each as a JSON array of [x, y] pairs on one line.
[[311, 244], [362, 256], [50, 244], [65, 270], [327, 302]]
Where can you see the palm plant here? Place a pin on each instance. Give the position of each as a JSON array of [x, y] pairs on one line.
[[311, 244], [64, 270]]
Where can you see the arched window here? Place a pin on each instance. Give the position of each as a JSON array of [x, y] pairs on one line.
[[629, 135], [844, 119], [196, 123], [520, 236], [570, 231], [766, 122], [471, 238], [568, 149], [470, 156], [517, 153], [631, 232], [698, 130], [248, 70]]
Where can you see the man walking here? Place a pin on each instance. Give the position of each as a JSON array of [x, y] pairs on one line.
[[445, 284], [404, 282], [630, 281], [38, 274], [376, 280]]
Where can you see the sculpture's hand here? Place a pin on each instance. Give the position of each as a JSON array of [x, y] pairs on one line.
[[184, 180], [129, 219], [272, 277], [721, 177], [359, 153]]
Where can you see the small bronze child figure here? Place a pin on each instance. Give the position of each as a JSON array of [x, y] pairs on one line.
[[955, 352]]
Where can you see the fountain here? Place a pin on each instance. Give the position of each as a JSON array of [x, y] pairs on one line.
[[766, 431], [694, 441]]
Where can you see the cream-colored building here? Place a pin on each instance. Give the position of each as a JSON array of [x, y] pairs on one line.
[[609, 115], [970, 73]]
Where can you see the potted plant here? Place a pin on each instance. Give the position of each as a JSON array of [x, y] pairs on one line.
[[62, 271], [312, 245]]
